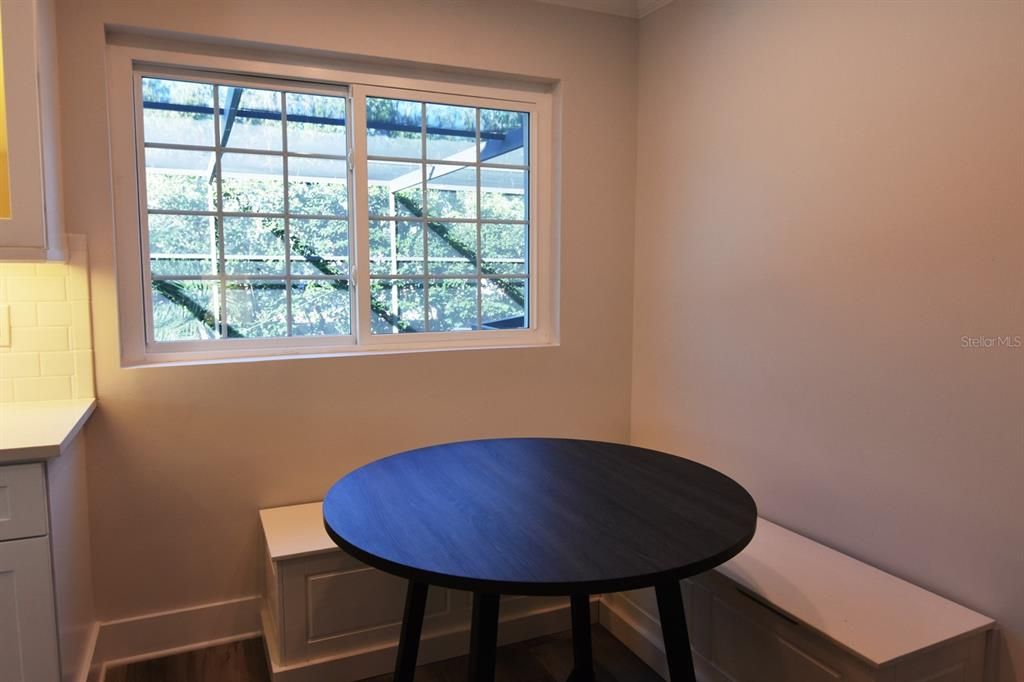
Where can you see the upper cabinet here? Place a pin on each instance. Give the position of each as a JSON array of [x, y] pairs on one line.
[[31, 223]]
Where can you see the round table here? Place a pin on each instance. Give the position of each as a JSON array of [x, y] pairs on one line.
[[539, 516]]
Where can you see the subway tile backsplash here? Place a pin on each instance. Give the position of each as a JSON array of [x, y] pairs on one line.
[[50, 354]]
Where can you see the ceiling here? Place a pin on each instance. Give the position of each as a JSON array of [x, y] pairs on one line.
[[625, 8]]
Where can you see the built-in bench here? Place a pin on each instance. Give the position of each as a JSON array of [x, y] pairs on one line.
[[787, 609], [326, 616]]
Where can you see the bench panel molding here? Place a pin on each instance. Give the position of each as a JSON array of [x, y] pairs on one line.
[[328, 616]]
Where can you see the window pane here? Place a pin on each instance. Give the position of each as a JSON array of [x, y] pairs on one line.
[[186, 311], [180, 180], [252, 183], [504, 137], [394, 128], [250, 118], [396, 247], [320, 308], [504, 249], [503, 194], [451, 191], [395, 188], [317, 186], [254, 246], [396, 306], [451, 133], [182, 244], [257, 308], [177, 112], [451, 248], [319, 247], [316, 124], [452, 305], [504, 303]]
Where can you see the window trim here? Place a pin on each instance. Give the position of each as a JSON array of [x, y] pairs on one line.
[[125, 65]]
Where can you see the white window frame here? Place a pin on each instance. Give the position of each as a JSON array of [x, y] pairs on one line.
[[232, 345], [127, 64]]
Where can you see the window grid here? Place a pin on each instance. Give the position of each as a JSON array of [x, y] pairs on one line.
[[219, 149], [479, 277], [218, 221], [479, 214], [504, 278], [426, 214], [287, 220]]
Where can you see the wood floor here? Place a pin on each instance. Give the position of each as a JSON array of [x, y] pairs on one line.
[[545, 659]]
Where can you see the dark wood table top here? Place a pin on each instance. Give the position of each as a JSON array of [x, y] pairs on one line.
[[539, 516]]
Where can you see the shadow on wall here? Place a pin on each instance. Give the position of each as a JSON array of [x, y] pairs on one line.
[[999, 662]]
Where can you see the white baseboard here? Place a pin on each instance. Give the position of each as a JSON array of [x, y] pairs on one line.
[[85, 662], [635, 628], [166, 633], [154, 635], [517, 624], [640, 632]]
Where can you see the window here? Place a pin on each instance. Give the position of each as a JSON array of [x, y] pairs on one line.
[[279, 215], [246, 211], [449, 216]]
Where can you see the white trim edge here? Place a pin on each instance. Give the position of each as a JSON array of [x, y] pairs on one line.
[[641, 633], [154, 635], [358, 664], [166, 633], [85, 662], [636, 629]]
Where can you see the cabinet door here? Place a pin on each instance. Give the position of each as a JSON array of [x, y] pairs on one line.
[[22, 501], [28, 628], [29, 142]]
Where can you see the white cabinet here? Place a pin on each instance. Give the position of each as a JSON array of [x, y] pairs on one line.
[[47, 618], [28, 618], [22, 501], [28, 639], [31, 227]]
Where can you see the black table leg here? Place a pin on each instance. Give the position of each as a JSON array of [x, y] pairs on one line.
[[673, 630], [582, 649], [412, 626], [483, 642]]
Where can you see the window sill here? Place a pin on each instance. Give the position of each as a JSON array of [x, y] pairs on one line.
[[185, 359]]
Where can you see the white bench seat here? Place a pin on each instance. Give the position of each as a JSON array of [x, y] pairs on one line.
[[876, 616], [788, 609]]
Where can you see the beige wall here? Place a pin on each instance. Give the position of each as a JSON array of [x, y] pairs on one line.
[[181, 458], [826, 205], [830, 195]]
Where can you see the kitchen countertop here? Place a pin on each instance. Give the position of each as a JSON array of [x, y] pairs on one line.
[[40, 430]]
